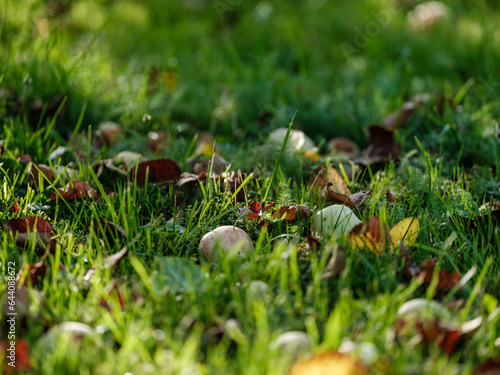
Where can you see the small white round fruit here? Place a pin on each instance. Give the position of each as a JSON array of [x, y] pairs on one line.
[[229, 238], [297, 140], [293, 342], [336, 219]]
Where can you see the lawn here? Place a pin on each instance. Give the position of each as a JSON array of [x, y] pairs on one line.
[[130, 131]]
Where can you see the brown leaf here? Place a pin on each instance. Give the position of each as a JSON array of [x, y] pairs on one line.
[[489, 367], [399, 118], [287, 213], [371, 234], [161, 171], [446, 280], [445, 335], [344, 146], [38, 171], [321, 178], [75, 190], [24, 230], [111, 132], [356, 200], [381, 149]]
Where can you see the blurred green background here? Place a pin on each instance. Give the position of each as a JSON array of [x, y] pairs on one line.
[[241, 68]]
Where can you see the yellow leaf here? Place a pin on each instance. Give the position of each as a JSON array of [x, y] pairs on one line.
[[406, 230], [329, 363], [312, 155]]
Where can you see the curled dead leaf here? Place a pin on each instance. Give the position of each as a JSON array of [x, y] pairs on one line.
[[160, 171]]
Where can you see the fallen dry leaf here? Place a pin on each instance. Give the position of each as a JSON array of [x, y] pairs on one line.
[[371, 234], [356, 200], [37, 172], [446, 280], [446, 335], [343, 146], [160, 171], [329, 363], [320, 178], [489, 367], [32, 228], [75, 190], [111, 132], [381, 149]]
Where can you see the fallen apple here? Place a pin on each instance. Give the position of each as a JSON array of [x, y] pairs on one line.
[[336, 219], [296, 343], [228, 238], [297, 140]]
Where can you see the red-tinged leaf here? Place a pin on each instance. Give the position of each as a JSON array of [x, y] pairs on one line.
[[255, 207], [25, 158], [381, 149], [391, 196], [75, 190], [446, 280], [21, 354], [161, 171], [15, 209], [112, 295], [24, 230], [489, 367], [446, 335]]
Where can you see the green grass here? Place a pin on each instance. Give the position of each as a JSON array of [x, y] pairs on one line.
[[71, 65]]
